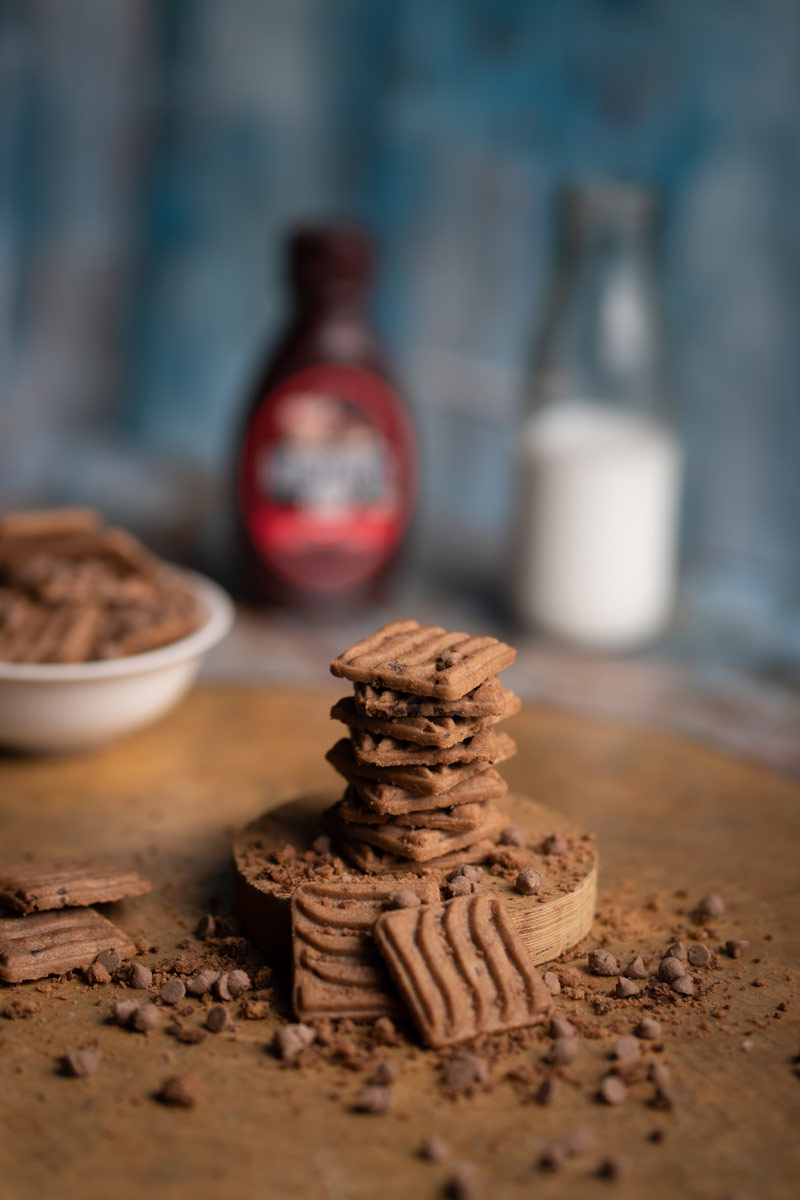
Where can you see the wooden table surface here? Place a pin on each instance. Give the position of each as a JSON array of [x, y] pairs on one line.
[[669, 816]]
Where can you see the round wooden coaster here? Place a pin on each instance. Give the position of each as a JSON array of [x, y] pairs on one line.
[[552, 921]]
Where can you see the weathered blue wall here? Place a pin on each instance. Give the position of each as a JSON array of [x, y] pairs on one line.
[[151, 155]]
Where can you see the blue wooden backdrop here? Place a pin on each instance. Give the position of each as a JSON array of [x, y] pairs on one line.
[[151, 154]]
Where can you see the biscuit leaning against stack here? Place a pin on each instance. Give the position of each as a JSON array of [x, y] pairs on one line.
[[420, 758]]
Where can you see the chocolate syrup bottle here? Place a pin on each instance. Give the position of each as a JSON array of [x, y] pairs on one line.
[[326, 474]]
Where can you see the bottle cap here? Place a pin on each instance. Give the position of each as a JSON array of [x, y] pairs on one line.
[[330, 255]]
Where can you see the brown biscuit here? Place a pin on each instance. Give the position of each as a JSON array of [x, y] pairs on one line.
[[480, 785], [424, 731], [370, 749], [49, 943], [462, 969], [426, 660], [452, 820], [426, 781], [151, 637], [486, 700], [406, 841], [77, 638], [48, 522], [378, 862], [338, 971], [73, 883]]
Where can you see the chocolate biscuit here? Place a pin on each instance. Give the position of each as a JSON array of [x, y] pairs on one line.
[[418, 844], [472, 788], [486, 700], [338, 971], [68, 883], [426, 781], [425, 660], [452, 820], [462, 969], [426, 731], [50, 943], [379, 862], [372, 750]]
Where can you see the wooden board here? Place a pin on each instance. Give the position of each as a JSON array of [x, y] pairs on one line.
[[669, 816], [549, 923]]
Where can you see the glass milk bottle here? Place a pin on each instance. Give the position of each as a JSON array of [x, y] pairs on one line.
[[599, 465]]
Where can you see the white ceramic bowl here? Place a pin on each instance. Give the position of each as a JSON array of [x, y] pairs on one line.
[[55, 707]]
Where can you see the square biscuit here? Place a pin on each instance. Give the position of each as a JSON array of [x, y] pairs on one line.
[[426, 660], [462, 969], [370, 749], [488, 699], [452, 820], [427, 781], [373, 861], [67, 883], [424, 731], [50, 943], [407, 841], [477, 786]]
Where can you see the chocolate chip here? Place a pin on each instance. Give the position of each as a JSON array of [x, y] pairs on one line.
[[206, 927], [670, 969], [403, 898], [659, 1073], [385, 1073], [699, 955], [563, 1051], [612, 1089], [677, 950], [97, 974], [552, 983], [528, 882], [554, 844], [201, 983], [560, 1027], [602, 962], [80, 1063], [625, 988], [291, 1040], [710, 907], [181, 1091], [109, 959], [637, 969], [123, 1010], [172, 991], [434, 1149], [145, 1018], [461, 886], [512, 835], [374, 1099], [683, 986], [464, 1071], [663, 1099], [238, 983], [626, 1047], [736, 947], [648, 1028], [140, 976], [469, 871], [463, 1183], [547, 1092], [611, 1168], [218, 1019]]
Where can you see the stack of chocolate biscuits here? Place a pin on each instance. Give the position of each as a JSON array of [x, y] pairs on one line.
[[420, 759]]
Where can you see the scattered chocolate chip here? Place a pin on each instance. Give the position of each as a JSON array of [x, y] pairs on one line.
[[554, 844], [238, 983], [677, 950], [469, 871], [563, 1051], [461, 886], [710, 907], [464, 1071], [463, 1183], [736, 947], [610, 1168], [602, 962], [512, 835], [670, 969], [403, 898], [220, 988], [385, 1073], [561, 1027], [181, 1091], [321, 844], [683, 986], [172, 991], [625, 988], [291, 1040], [139, 976], [206, 927], [97, 974], [613, 1089], [626, 1047], [109, 959], [145, 1018], [648, 1028], [699, 955], [434, 1149], [201, 983], [528, 882], [637, 969], [547, 1092], [374, 1099], [123, 1010], [663, 1099], [659, 1073], [218, 1019], [552, 983], [80, 1063]]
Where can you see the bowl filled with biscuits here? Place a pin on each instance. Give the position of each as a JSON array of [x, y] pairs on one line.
[[98, 636]]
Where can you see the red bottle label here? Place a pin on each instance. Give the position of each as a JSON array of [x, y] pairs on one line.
[[327, 477]]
